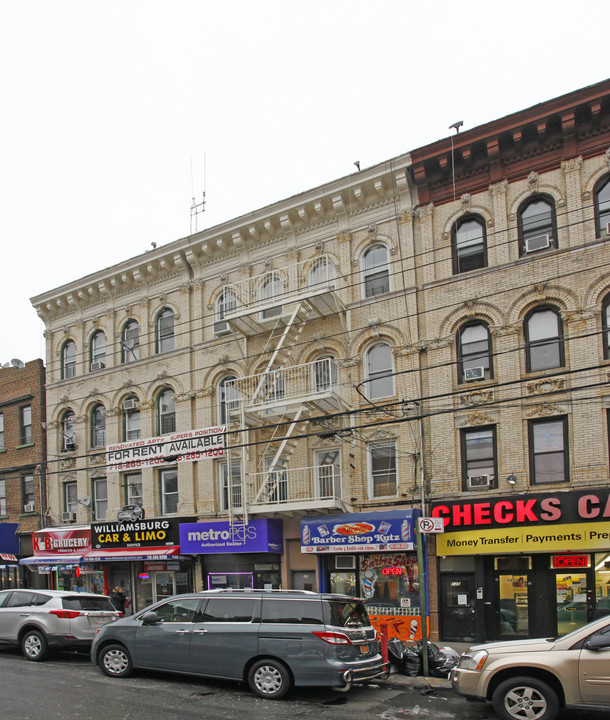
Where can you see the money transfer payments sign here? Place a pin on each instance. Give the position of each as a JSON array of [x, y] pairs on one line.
[[186, 446]]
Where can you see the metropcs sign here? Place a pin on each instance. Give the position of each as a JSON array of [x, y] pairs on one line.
[[186, 446]]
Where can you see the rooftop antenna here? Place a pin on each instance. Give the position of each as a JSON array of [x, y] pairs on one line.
[[456, 125], [197, 208]]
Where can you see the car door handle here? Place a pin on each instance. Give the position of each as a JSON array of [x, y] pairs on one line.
[[181, 632], [25, 614], [200, 632]]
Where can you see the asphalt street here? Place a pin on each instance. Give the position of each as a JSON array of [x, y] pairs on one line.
[[69, 687]]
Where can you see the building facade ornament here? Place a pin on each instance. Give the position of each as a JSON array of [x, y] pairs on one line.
[[546, 385]]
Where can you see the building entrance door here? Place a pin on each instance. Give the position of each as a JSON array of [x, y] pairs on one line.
[[571, 598], [458, 607]]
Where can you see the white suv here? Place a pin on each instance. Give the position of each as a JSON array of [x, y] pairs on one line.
[[39, 620]]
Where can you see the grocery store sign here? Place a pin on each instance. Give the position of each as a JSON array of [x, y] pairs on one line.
[[186, 446]]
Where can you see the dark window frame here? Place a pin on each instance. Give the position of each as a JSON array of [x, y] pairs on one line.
[[549, 228], [163, 335], [68, 363], [129, 334], [464, 360], [532, 424], [377, 275], [466, 463], [602, 217], [481, 255], [25, 425], [530, 345], [606, 327], [161, 417], [97, 431]]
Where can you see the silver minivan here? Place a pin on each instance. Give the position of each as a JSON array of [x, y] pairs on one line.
[[272, 640]]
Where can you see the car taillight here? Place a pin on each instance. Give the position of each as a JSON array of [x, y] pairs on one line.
[[334, 638], [65, 614]]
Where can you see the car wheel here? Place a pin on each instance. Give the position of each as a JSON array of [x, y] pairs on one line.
[[115, 661], [269, 679], [34, 645], [524, 698]]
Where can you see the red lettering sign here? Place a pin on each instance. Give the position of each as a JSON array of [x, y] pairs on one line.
[[561, 562]]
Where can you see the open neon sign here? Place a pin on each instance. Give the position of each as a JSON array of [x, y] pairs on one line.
[[393, 571]]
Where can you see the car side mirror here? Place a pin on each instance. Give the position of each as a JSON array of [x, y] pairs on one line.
[[597, 642], [150, 618]]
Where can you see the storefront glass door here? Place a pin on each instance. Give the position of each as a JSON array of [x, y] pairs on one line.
[[457, 607], [571, 594], [513, 604]]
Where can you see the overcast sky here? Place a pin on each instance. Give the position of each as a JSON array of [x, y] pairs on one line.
[[108, 108]]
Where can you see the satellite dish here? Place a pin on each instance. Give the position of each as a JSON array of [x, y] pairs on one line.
[[6, 365], [16, 362], [86, 501]]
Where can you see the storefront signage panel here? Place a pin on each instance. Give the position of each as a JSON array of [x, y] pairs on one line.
[[496, 541], [360, 532], [141, 533], [186, 446], [259, 535], [525, 510], [9, 540], [60, 542]]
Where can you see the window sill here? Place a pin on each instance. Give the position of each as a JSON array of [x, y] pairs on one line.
[[2, 450], [25, 445], [25, 515]]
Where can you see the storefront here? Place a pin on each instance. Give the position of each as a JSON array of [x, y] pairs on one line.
[[143, 557], [9, 562], [373, 556], [236, 556], [57, 555], [523, 566]]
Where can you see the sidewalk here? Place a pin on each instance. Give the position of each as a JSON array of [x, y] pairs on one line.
[[398, 679]]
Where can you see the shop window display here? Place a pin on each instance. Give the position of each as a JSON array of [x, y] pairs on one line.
[[389, 585]]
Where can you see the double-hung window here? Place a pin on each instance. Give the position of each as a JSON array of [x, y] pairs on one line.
[[133, 489], [548, 447], [25, 424], [537, 224], [70, 497], [98, 426], [479, 458], [130, 342], [379, 371], [27, 492], [166, 409], [100, 498], [169, 491], [602, 206], [2, 497], [469, 241], [68, 360], [165, 331], [1, 431], [375, 270], [383, 479], [230, 491], [474, 353], [543, 340], [98, 351]]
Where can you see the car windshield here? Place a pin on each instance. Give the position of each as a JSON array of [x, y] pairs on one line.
[[348, 614]]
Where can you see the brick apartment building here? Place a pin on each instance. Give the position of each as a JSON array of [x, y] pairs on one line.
[[426, 335], [22, 461]]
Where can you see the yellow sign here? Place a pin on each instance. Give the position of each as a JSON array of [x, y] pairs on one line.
[[539, 538]]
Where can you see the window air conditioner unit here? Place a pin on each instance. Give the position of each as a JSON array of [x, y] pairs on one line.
[[475, 373], [129, 404], [480, 481], [539, 242], [28, 507], [70, 446], [221, 327], [345, 563], [99, 365], [68, 517]]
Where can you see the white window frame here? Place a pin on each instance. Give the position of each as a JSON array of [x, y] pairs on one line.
[[373, 378], [70, 497], [166, 496], [100, 498], [370, 469], [372, 268], [133, 480], [223, 477]]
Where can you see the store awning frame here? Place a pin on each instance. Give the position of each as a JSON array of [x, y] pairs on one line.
[[67, 559], [170, 552]]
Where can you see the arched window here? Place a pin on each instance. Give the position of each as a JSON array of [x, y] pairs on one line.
[[130, 342], [165, 331], [68, 431], [131, 419], [68, 360], [166, 412], [469, 243], [543, 340], [270, 290], [321, 272], [228, 398], [606, 326], [226, 302], [602, 206], [98, 351], [474, 353], [375, 271], [98, 426], [537, 224], [379, 371]]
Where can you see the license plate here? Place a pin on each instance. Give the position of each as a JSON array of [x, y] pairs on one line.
[[364, 649], [98, 621]]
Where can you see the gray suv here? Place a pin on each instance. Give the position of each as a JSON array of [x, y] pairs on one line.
[[39, 620], [270, 639]]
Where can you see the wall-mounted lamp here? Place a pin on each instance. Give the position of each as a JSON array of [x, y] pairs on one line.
[[512, 479]]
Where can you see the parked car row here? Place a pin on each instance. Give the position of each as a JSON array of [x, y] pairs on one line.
[[273, 640]]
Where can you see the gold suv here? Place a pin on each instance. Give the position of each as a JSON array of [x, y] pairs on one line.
[[534, 679]]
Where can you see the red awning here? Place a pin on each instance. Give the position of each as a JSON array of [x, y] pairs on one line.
[[131, 554]]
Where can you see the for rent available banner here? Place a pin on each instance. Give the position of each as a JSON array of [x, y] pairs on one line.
[[186, 446]]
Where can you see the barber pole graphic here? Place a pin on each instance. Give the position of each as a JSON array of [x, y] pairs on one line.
[[306, 535]]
